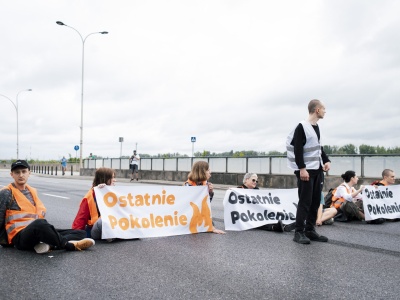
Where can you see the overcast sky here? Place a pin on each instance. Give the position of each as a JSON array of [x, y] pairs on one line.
[[237, 75]]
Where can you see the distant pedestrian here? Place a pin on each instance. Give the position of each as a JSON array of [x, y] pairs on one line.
[[63, 165], [307, 158], [134, 165]]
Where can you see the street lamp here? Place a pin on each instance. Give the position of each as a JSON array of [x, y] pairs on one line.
[[83, 60], [16, 110]]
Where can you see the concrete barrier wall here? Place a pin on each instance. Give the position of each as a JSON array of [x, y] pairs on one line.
[[234, 179]]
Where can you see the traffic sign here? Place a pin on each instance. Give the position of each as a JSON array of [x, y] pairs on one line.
[[76, 148], [193, 139]]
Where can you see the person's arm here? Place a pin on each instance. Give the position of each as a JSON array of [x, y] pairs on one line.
[[319, 215], [5, 198], [357, 193], [82, 216], [299, 140]]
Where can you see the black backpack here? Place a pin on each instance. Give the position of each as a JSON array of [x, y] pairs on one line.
[[328, 198]]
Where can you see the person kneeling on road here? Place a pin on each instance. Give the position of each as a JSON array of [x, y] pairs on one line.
[[22, 219], [250, 181]]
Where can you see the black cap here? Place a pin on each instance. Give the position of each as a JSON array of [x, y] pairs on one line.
[[23, 164]]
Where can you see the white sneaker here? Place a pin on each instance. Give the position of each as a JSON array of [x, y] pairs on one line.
[[42, 248], [83, 244]]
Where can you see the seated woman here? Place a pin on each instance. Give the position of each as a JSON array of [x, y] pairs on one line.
[[199, 175], [250, 181], [88, 217], [325, 215], [347, 200]]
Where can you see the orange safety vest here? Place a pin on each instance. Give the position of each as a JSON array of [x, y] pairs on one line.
[[93, 209], [337, 202], [16, 220], [192, 183]]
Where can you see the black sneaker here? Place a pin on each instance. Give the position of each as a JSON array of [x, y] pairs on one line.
[[377, 221], [300, 238], [289, 227], [314, 236], [278, 227]]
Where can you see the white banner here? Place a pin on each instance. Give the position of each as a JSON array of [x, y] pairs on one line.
[[381, 202], [152, 211], [248, 208]]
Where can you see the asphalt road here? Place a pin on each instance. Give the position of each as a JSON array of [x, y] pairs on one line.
[[359, 262]]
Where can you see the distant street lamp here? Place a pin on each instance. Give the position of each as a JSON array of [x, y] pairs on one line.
[[83, 60], [121, 139], [16, 109]]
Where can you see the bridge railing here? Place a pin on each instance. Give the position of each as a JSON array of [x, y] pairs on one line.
[[365, 165]]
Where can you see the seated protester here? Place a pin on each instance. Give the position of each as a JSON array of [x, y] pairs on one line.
[[348, 201], [250, 181], [88, 217], [199, 175], [22, 219], [388, 178], [325, 215]]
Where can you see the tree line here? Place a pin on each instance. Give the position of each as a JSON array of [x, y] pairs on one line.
[[346, 149]]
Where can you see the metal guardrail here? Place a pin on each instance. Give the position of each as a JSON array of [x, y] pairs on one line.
[[366, 165]]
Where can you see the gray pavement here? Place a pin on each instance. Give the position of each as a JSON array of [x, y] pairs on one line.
[[359, 262]]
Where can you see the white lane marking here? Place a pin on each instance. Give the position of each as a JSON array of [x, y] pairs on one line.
[[56, 196]]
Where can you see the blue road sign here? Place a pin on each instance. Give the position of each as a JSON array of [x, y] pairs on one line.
[[76, 148]]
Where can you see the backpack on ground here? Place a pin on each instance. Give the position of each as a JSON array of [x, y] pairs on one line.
[[328, 198]]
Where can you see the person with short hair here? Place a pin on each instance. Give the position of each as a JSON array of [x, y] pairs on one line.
[[22, 219], [306, 156], [250, 181], [388, 178], [199, 175], [134, 165]]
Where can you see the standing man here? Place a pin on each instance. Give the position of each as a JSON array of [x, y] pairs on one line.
[[307, 158], [22, 218], [63, 165], [134, 163]]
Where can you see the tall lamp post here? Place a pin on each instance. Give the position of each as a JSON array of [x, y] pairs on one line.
[[83, 60], [16, 110]]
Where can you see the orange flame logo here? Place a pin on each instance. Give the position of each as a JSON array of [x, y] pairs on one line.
[[200, 218]]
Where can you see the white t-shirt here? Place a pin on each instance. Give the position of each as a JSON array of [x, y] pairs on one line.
[[341, 192], [135, 159]]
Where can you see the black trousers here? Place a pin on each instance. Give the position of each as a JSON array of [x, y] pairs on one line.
[[41, 231], [309, 200]]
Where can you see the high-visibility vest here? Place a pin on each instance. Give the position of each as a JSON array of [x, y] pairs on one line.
[[93, 209], [337, 202], [192, 183], [16, 220], [311, 149]]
